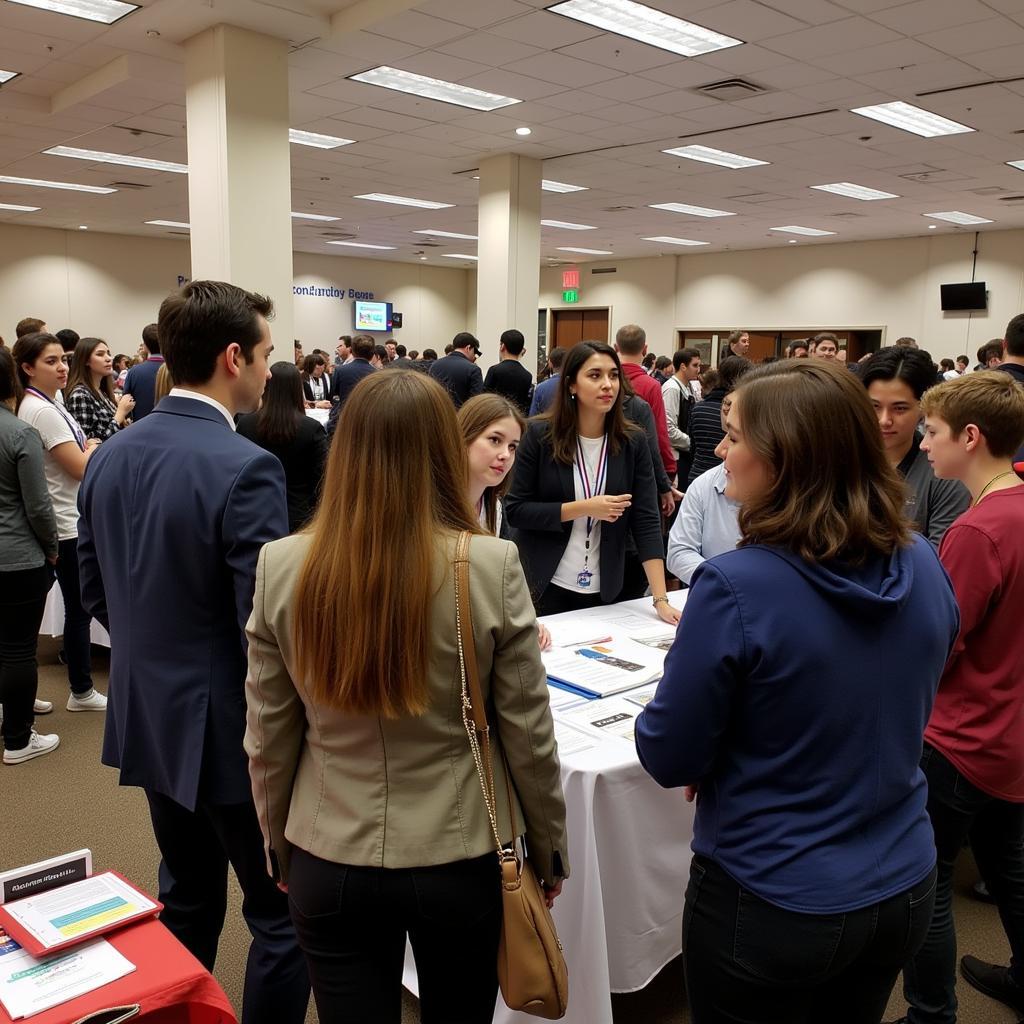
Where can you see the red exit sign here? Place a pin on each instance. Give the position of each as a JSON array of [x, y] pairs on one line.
[[570, 279]]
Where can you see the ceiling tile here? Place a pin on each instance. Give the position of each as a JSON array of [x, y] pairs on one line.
[[911, 18], [417, 29], [814, 12], [489, 49], [749, 21], [979, 37], [619, 54], [512, 83], [474, 13], [836, 37], [566, 71]]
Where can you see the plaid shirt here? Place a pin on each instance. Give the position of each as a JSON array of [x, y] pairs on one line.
[[94, 415]]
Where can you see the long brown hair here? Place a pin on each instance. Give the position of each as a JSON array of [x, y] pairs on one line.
[[474, 418], [833, 493], [562, 417], [365, 592], [81, 374]]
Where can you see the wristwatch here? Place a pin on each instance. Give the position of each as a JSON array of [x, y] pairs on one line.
[[659, 600]]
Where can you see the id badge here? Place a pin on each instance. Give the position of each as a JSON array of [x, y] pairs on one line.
[[583, 578]]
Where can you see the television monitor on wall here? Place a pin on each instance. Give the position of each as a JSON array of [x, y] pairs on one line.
[[963, 296], [372, 316]]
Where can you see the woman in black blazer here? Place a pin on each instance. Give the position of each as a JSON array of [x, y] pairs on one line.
[[583, 480], [316, 382], [282, 427]]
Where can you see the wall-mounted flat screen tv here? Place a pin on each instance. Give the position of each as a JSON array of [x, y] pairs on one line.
[[372, 316], [963, 296]]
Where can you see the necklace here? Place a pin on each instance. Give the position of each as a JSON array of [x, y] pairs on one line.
[[984, 490]]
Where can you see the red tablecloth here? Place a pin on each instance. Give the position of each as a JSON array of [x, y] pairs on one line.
[[170, 985]]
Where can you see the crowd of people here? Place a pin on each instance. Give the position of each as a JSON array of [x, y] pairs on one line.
[[844, 698]]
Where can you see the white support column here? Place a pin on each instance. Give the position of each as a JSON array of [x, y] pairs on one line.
[[508, 269], [239, 182]]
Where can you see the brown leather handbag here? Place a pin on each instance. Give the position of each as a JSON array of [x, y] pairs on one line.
[[531, 969]]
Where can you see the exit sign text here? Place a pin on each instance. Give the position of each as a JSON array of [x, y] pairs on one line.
[[570, 295], [570, 279]]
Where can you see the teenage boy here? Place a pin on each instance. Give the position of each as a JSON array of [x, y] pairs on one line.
[[974, 743]]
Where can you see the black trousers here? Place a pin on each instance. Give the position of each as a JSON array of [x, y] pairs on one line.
[[353, 921], [76, 619], [750, 962], [556, 599], [22, 602], [196, 848]]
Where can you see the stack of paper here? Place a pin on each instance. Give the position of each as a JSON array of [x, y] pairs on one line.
[[599, 669]]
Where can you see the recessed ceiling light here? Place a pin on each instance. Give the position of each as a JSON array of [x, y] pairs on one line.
[[169, 224], [95, 156], [104, 11], [19, 209], [7, 76], [568, 225], [912, 119], [524, 131], [363, 245], [312, 216], [586, 252], [83, 227], [956, 217], [69, 186], [796, 229], [316, 140], [933, 227], [423, 257], [443, 234], [459, 256], [694, 211], [1019, 164], [433, 88], [383, 197], [638, 21], [792, 241], [561, 186], [852, 191], [708, 155], [672, 240]]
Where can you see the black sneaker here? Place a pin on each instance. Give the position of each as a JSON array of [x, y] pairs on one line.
[[993, 980]]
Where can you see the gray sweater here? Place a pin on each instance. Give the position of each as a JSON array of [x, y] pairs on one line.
[[28, 527], [932, 504]]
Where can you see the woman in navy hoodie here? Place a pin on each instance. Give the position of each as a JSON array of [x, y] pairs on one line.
[[794, 702]]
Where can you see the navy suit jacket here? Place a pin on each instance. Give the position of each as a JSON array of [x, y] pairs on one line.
[[460, 377], [345, 379], [140, 383], [174, 512]]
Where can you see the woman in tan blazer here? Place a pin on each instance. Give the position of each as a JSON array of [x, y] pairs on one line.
[[362, 771]]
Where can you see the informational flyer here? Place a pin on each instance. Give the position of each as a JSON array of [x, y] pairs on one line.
[[613, 716], [571, 740]]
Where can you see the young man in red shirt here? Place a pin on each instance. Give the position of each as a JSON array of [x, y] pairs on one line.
[[974, 743]]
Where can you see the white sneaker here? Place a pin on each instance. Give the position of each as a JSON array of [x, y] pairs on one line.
[[92, 701], [42, 707], [38, 744]]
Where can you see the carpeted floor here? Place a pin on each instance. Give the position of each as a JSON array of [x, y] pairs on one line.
[[67, 800]]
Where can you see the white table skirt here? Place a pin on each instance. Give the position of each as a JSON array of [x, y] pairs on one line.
[[619, 916], [320, 415], [53, 619]]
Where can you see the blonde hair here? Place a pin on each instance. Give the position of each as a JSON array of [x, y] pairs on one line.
[[990, 399]]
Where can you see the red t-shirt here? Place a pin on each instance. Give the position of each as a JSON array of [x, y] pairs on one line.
[[650, 391], [978, 719]]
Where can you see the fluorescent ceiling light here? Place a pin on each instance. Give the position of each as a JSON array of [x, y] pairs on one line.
[[638, 21], [912, 119], [444, 234], [363, 245], [796, 229], [69, 186], [433, 88], [694, 211], [586, 252], [104, 11], [708, 155], [383, 197], [6, 76], [852, 191], [459, 256], [169, 224], [568, 225], [671, 240], [1019, 164], [956, 217], [561, 186], [19, 209], [313, 216], [95, 156], [316, 140]]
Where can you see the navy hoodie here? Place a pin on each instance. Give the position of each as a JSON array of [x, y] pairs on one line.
[[796, 696]]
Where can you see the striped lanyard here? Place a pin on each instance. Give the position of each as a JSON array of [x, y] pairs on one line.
[[73, 426], [591, 489]]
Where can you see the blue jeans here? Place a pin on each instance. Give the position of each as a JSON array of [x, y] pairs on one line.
[[959, 812], [76, 619], [748, 960]]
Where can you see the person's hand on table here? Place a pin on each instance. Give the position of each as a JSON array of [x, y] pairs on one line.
[[322, 404], [552, 892], [667, 613], [544, 636]]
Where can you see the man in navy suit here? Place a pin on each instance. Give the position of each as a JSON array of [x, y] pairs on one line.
[[458, 372], [140, 381], [198, 501], [348, 376]]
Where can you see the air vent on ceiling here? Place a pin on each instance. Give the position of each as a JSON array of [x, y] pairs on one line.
[[339, 235], [603, 270], [731, 89], [126, 184], [1011, 199], [618, 209], [141, 131]]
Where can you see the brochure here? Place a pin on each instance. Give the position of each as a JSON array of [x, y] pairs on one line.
[[46, 874], [613, 716], [604, 668]]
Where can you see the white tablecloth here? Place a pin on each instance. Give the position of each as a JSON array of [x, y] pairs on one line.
[[53, 619], [619, 916], [319, 415]]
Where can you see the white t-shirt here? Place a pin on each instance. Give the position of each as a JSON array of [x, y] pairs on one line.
[[54, 429], [950, 375], [573, 560]]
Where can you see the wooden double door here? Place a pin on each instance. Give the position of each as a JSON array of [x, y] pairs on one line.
[[571, 326]]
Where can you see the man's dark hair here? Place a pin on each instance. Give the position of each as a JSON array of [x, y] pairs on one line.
[[826, 336], [68, 338], [381, 353], [9, 387], [30, 325], [556, 357], [151, 339], [990, 350], [465, 340], [513, 341], [298, 344], [736, 335], [429, 353], [1015, 336], [662, 363], [346, 338], [414, 354], [964, 360], [198, 323], [401, 351], [448, 349], [798, 343], [683, 357], [631, 339], [913, 366], [906, 342], [362, 347], [731, 369]]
